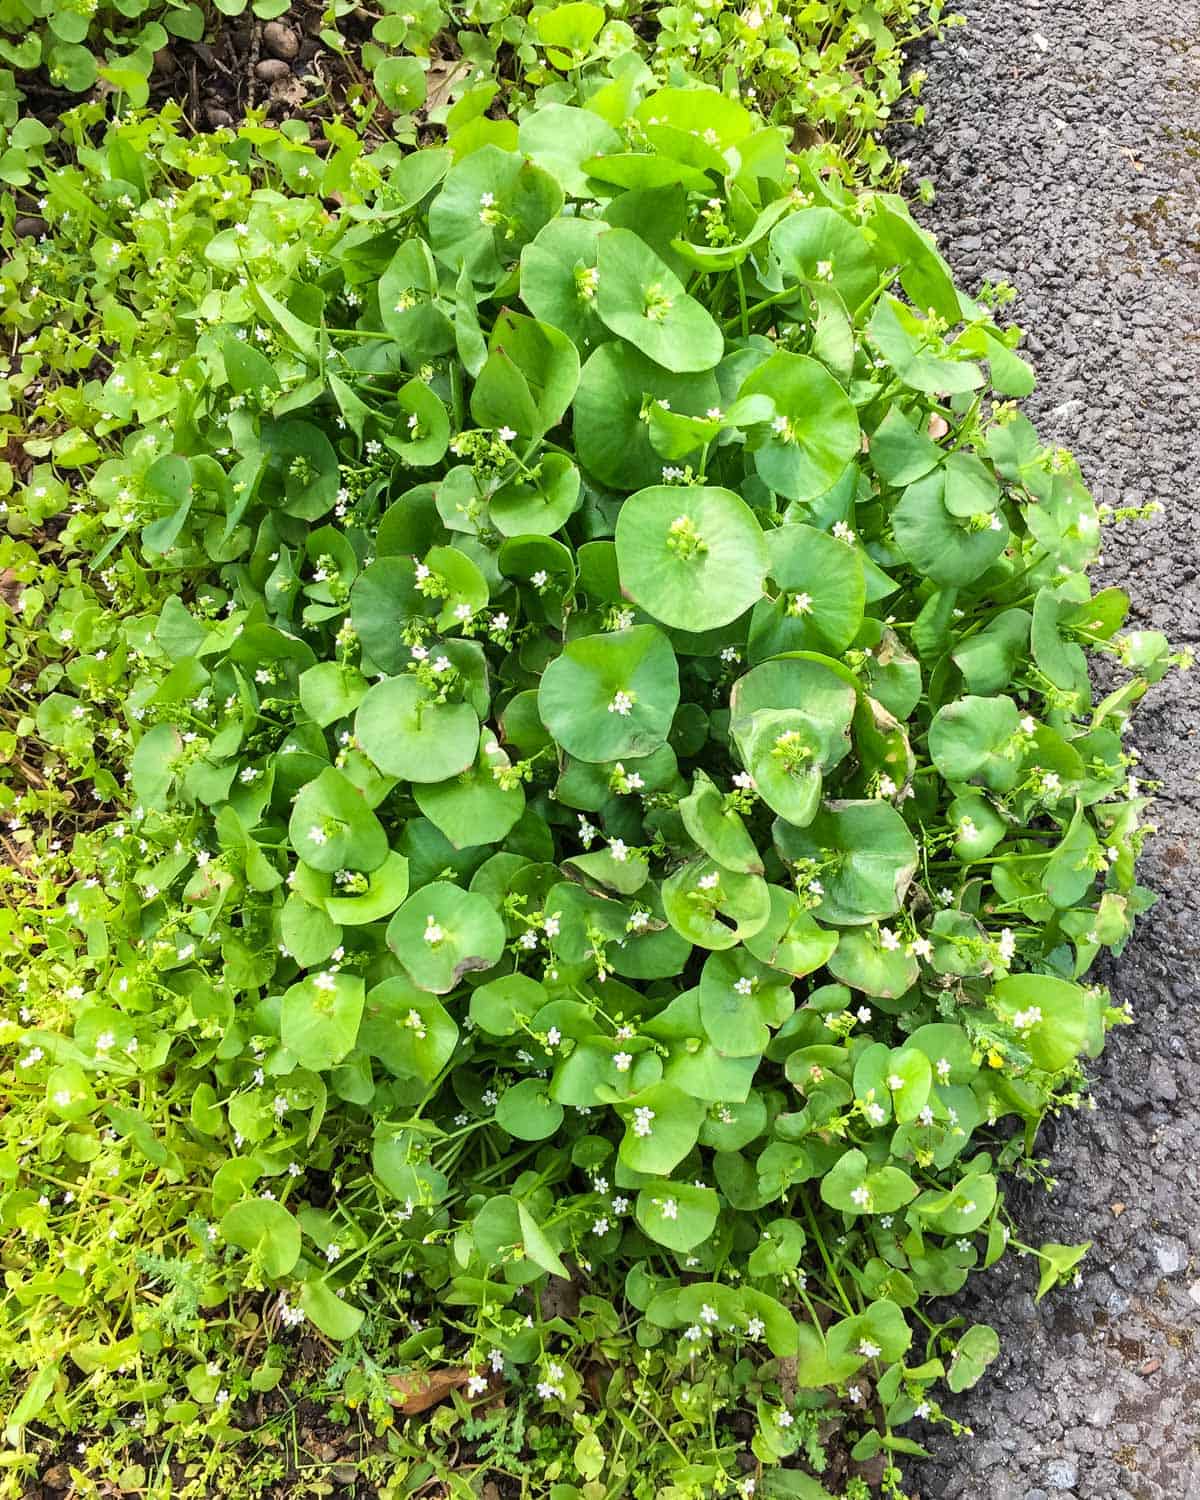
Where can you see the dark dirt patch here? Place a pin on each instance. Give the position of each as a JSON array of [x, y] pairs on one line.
[[1062, 140]]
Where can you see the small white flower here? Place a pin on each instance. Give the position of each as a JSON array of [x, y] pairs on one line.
[[622, 703], [507, 434], [433, 933], [643, 1119], [476, 1385], [868, 1350], [622, 1062], [888, 939]]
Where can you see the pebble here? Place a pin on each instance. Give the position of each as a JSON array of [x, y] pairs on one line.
[[281, 40], [272, 69], [1062, 1474]]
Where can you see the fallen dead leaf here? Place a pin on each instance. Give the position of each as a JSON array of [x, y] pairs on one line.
[[425, 1388], [440, 81], [938, 427], [1117, 1209]]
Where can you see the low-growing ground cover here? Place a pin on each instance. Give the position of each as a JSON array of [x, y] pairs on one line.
[[559, 818]]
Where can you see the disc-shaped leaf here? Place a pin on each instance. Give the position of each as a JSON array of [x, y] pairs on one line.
[[492, 203], [537, 503], [854, 1187], [641, 300], [715, 913], [443, 932], [556, 285], [819, 244], [408, 305], [972, 739], [266, 1230], [946, 549], [802, 453], [411, 1033], [864, 963], [679, 1215], [611, 696], [332, 828], [867, 856], [529, 378], [694, 558], [740, 1001], [822, 692], [527, 1111], [824, 593], [617, 387], [1057, 1020], [500, 1006], [408, 735], [318, 1018], [783, 752], [661, 1126]]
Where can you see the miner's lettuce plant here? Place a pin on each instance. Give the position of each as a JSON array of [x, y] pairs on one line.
[[830, 71], [618, 822]]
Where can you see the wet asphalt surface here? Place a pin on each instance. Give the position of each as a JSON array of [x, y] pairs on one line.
[[1063, 141]]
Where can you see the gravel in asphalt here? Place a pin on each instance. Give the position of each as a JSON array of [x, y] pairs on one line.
[[1063, 140]]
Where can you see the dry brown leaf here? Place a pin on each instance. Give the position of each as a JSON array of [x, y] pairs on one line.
[[440, 81], [422, 1389]]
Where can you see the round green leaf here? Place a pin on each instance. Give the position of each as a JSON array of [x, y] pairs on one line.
[[679, 1215], [443, 932], [661, 1127], [819, 244], [867, 858], [617, 388], [318, 1018], [527, 1111], [790, 939], [265, 1230], [641, 300], [974, 739], [412, 1034], [473, 807], [693, 557], [410, 736], [611, 696], [853, 1187], [332, 828], [950, 551], [815, 434]]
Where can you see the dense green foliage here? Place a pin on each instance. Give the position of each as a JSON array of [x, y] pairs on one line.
[[558, 818], [831, 68]]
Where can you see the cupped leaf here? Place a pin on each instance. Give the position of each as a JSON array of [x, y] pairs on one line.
[[679, 1215], [318, 1018], [804, 449], [618, 387], [266, 1231]]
